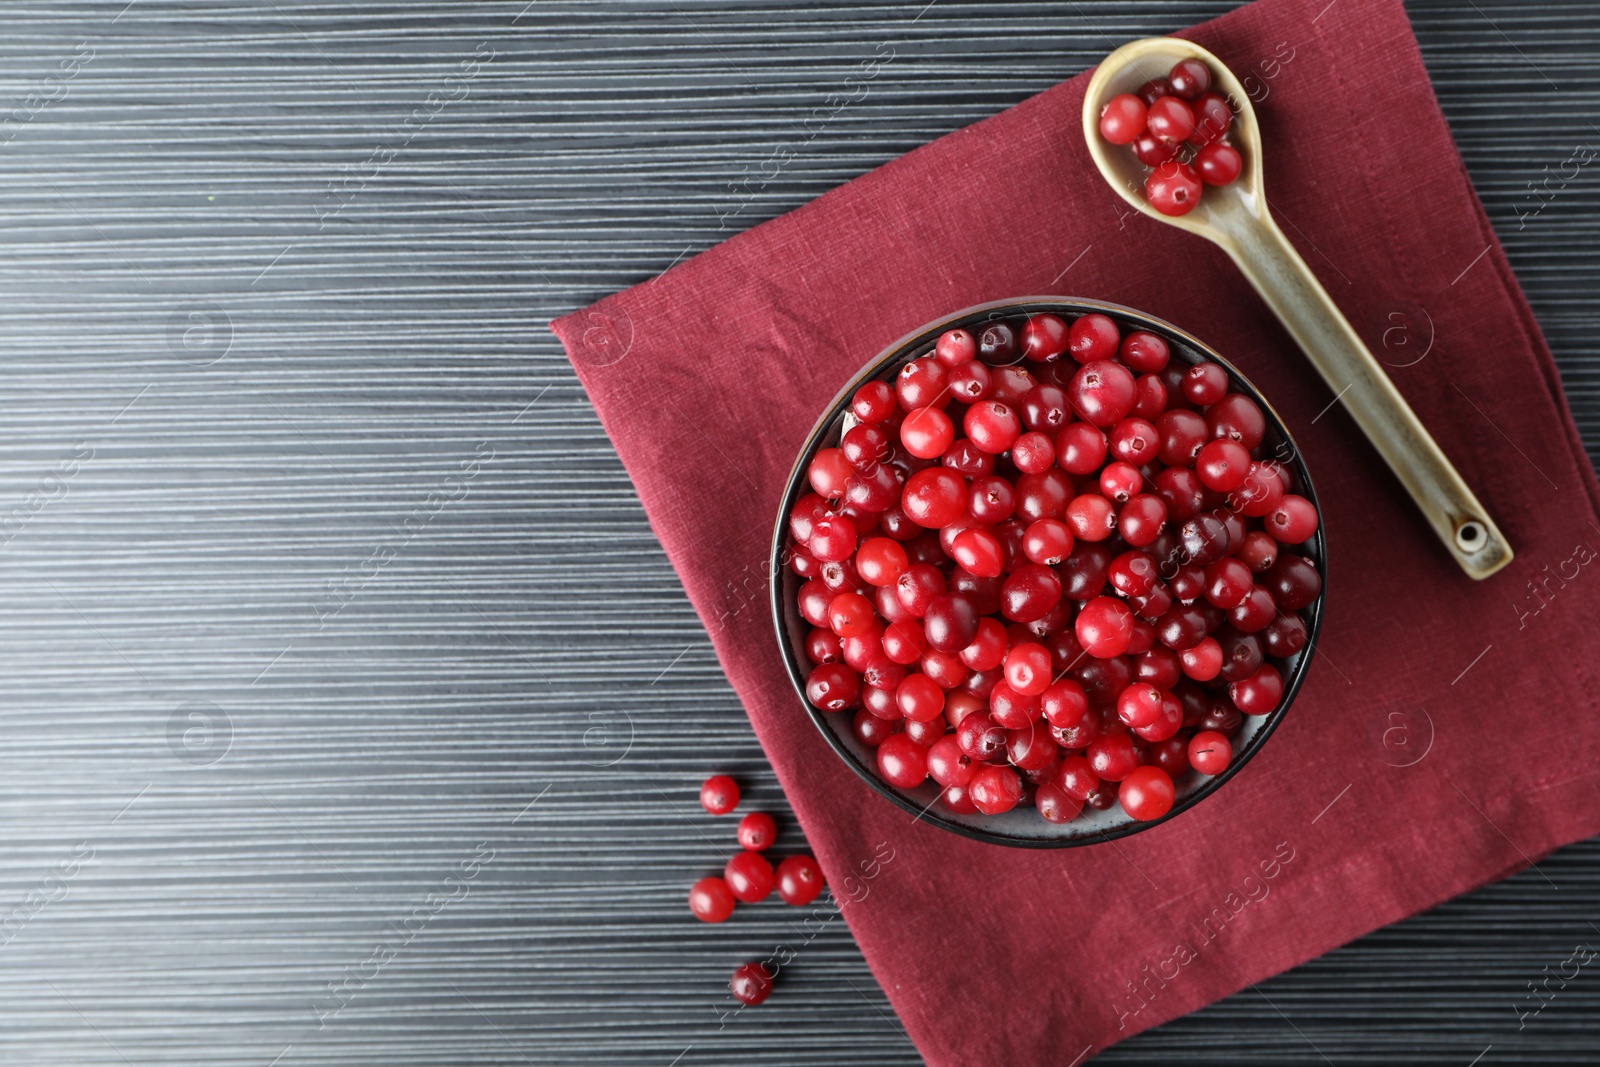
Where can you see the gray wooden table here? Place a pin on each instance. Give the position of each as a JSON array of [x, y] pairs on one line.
[[351, 712]]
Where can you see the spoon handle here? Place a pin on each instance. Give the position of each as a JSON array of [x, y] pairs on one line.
[[1281, 276]]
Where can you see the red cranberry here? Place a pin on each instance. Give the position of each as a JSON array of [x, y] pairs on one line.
[[1141, 519], [880, 561], [1205, 540], [1154, 90], [1047, 541], [992, 426], [831, 687], [988, 646], [757, 831], [1081, 448], [980, 737], [1134, 441], [1222, 465], [954, 348], [935, 497], [902, 762], [710, 900], [1255, 613], [1170, 119], [870, 730], [947, 764], [800, 880], [1218, 163], [751, 984], [1293, 582], [1093, 337], [719, 795], [1104, 627], [1152, 151], [749, 875], [1241, 655], [1189, 78], [1205, 383], [874, 402], [1146, 793], [1210, 752], [1212, 118], [997, 344], [1045, 408], [970, 382], [1258, 694], [1285, 636], [1102, 392], [1292, 522], [926, 433], [1044, 336], [1034, 453], [1112, 757], [978, 551], [1030, 592], [1173, 188], [1122, 119], [1203, 662], [995, 790], [1084, 572]]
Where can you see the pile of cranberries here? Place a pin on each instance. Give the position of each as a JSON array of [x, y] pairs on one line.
[[1178, 127], [749, 877], [1050, 565]]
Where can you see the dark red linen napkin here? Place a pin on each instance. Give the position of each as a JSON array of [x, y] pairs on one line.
[[1445, 736]]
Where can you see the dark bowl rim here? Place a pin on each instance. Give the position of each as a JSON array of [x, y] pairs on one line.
[[1016, 307]]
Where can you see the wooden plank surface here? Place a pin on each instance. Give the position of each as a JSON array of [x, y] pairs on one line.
[[352, 714]]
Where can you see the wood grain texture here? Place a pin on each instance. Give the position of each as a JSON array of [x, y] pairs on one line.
[[344, 676]]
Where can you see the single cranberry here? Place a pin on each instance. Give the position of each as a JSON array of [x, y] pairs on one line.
[[1205, 383], [980, 737], [822, 646], [921, 383], [1152, 151], [1104, 627], [1173, 188], [982, 593], [920, 583], [757, 831], [1079, 735], [995, 790], [1255, 613], [1210, 752], [997, 344], [1205, 540], [1189, 78], [870, 730], [1112, 757], [902, 762], [1258, 552], [749, 875], [944, 669], [959, 703], [850, 614], [1033, 453], [1141, 519], [1044, 336], [1171, 755], [1043, 495], [947, 764], [1135, 441], [1093, 337], [1120, 480], [1180, 489], [934, 498], [719, 795], [992, 426], [751, 984], [1202, 662], [1222, 465], [1030, 592], [1212, 118], [1054, 805], [1258, 694], [970, 382], [1027, 668], [1183, 433], [1102, 798], [926, 433], [831, 687], [1011, 709], [1146, 793], [874, 402], [800, 880], [1045, 408], [1076, 778], [955, 347], [1031, 748], [881, 561], [1145, 352], [919, 698], [1122, 119], [1157, 665], [1292, 522], [1184, 626], [1285, 636], [1241, 655], [1150, 396], [1140, 704], [1081, 448], [1218, 163], [1133, 574], [1091, 517], [829, 472], [1010, 384], [1228, 583], [1102, 393], [1223, 717], [1154, 90], [1293, 582], [1047, 541], [1063, 703], [1188, 582], [1260, 494], [833, 539], [710, 900], [1170, 119], [1084, 572], [964, 457], [978, 551], [1166, 725]]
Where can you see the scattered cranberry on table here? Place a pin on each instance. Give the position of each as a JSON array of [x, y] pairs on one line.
[[799, 880], [1177, 127], [751, 984], [757, 831], [711, 900], [719, 795], [1062, 583]]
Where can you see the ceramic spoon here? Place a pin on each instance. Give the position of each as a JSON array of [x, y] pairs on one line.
[[1236, 218]]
